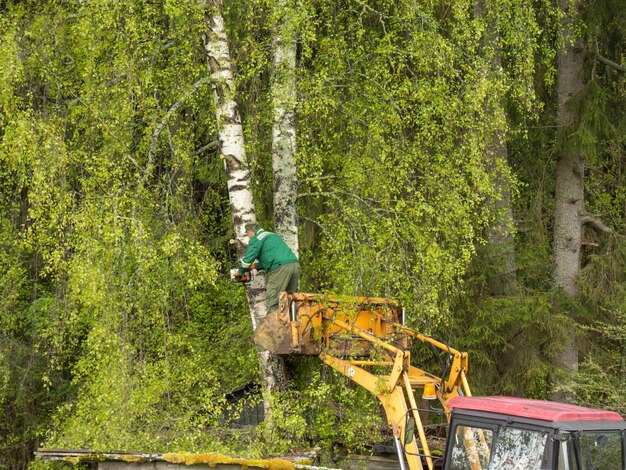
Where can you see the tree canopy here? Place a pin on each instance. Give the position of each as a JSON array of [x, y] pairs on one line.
[[120, 328]]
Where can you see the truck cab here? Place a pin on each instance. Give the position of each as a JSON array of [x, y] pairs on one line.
[[508, 433]]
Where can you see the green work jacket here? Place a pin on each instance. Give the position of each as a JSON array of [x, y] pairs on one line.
[[269, 250]]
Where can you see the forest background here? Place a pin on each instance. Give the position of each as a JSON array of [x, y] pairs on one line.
[[464, 157]]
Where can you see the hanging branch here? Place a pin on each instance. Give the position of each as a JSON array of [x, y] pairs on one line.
[[159, 128]]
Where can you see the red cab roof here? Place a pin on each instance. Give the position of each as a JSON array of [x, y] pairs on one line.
[[533, 409]]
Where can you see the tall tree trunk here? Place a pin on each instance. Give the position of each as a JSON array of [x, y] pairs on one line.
[[238, 176], [502, 273], [569, 195], [284, 126], [499, 254]]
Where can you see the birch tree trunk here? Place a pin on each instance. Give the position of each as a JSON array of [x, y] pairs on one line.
[[569, 195], [284, 126], [238, 176]]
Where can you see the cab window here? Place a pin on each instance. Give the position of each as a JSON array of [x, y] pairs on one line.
[[504, 448], [601, 450], [520, 449], [471, 448]]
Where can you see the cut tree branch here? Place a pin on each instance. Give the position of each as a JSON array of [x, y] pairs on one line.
[[610, 63], [596, 223], [209, 146]]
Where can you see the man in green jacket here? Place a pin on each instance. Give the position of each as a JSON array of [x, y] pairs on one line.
[[270, 252]]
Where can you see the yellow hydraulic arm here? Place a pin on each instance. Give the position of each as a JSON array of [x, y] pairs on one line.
[[365, 339]]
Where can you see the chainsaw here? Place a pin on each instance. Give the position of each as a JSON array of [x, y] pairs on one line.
[[245, 278]]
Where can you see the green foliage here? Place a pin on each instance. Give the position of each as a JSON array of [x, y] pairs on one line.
[[118, 326], [396, 107], [512, 342], [111, 240], [353, 418], [324, 409], [598, 387], [602, 373], [142, 404]]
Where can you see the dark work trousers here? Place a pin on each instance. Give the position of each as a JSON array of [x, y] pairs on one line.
[[286, 278]]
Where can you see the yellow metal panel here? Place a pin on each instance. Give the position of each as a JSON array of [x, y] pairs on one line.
[[306, 323]]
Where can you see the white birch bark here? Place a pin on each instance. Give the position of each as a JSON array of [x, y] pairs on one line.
[[284, 126], [569, 193], [238, 176]]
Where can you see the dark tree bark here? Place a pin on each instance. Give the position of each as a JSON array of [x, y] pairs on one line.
[[499, 254], [569, 193]]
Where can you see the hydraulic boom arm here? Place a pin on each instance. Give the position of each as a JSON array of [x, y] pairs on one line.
[[365, 339]]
